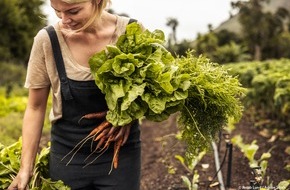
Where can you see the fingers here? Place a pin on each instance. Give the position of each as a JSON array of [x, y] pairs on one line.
[[18, 184], [12, 187]]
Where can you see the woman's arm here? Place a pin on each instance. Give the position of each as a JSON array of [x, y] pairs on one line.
[[31, 133]]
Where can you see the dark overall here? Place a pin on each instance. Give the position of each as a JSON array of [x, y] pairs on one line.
[[80, 98]]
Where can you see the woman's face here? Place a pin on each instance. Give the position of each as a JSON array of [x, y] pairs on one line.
[[74, 15]]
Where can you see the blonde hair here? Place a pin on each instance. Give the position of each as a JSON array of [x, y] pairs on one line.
[[74, 1], [98, 7]]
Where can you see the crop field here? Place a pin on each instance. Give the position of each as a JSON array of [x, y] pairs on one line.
[[254, 152]]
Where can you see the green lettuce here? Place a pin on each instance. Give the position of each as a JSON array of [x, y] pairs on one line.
[[137, 76]]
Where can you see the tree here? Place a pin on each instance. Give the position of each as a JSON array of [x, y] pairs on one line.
[[231, 52], [226, 37], [181, 48], [173, 23], [19, 22], [206, 44], [260, 27], [254, 24], [276, 46]]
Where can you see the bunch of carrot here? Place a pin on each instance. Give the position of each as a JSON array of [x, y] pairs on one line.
[[105, 134]]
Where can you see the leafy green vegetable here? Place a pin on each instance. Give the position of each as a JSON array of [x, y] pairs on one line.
[[140, 78], [10, 164], [213, 98]]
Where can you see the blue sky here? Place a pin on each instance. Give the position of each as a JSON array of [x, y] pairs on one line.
[[193, 15]]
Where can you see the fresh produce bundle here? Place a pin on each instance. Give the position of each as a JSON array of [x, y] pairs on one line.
[[141, 79]]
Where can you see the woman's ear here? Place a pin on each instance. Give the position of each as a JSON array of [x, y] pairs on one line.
[[99, 1]]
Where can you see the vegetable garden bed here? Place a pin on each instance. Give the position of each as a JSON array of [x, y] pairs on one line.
[[161, 171]]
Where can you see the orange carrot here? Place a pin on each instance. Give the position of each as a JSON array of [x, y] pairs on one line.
[[117, 147], [105, 136], [97, 115], [102, 134], [100, 128]]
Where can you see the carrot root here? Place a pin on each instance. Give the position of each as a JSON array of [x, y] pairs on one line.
[[117, 146], [97, 115], [77, 148], [95, 158], [98, 134], [100, 128]]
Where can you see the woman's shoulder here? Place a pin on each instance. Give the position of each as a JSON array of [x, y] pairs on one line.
[[42, 40], [42, 35], [123, 21]]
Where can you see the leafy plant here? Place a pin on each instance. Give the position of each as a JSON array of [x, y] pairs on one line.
[[140, 78], [10, 164], [11, 114], [283, 185], [268, 86], [189, 165], [250, 151], [12, 104]]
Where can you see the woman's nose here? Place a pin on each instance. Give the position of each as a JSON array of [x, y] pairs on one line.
[[65, 19]]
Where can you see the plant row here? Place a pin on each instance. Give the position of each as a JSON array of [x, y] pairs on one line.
[[268, 85]]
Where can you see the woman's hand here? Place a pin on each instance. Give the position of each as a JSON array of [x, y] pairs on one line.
[[21, 181]]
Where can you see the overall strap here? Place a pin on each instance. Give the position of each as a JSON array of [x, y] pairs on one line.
[[65, 89], [132, 20]]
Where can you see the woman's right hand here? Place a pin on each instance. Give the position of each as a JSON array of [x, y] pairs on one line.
[[31, 133], [21, 181]]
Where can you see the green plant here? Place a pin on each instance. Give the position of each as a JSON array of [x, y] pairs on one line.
[[10, 164], [249, 151], [231, 52], [189, 165], [268, 86], [11, 113], [284, 185], [140, 78]]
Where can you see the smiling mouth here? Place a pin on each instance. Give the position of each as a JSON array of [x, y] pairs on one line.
[[72, 25]]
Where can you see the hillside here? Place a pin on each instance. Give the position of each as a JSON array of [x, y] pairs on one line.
[[233, 24]]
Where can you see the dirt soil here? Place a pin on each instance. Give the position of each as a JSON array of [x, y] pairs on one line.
[[161, 171]]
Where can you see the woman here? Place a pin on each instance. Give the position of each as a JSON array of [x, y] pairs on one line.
[[85, 28]]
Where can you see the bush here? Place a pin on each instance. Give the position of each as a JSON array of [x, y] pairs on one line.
[[12, 76]]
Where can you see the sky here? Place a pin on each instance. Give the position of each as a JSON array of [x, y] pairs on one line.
[[193, 16]]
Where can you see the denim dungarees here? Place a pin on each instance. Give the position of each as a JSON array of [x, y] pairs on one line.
[[80, 98]]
